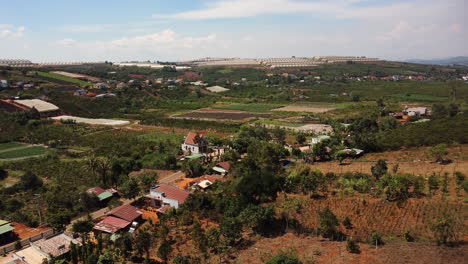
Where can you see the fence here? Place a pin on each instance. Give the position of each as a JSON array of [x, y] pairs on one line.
[[25, 242]]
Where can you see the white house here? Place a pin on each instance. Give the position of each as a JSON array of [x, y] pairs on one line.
[[319, 139], [165, 195], [195, 143], [416, 111], [3, 84]]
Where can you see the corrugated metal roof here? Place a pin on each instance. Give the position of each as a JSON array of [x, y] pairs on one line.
[[104, 195], [172, 192], [126, 212], [6, 228], [41, 106], [111, 224]]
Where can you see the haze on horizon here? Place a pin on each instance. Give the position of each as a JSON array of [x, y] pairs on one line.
[[185, 29]]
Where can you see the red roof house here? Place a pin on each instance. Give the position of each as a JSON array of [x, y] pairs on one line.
[[126, 212]]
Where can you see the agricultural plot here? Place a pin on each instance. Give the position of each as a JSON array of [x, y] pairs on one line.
[[235, 116], [14, 150], [257, 108], [307, 108], [63, 78], [390, 219]]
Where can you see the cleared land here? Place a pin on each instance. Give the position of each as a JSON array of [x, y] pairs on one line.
[[325, 252], [306, 108], [91, 121], [63, 78]]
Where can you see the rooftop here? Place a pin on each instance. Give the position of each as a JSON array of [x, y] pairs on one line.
[[55, 246], [126, 212], [41, 106], [172, 192], [111, 224]]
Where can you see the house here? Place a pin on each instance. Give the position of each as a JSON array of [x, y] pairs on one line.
[[80, 92], [3, 84], [195, 143], [165, 195], [101, 86], [54, 247], [222, 167], [126, 212], [112, 225], [44, 108], [319, 139], [217, 89], [6, 232], [416, 111], [101, 194], [119, 219]]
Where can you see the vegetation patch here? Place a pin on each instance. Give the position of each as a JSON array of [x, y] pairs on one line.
[[259, 108], [63, 78], [23, 153]]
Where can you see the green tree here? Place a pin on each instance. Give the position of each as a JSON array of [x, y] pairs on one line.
[[164, 250], [130, 189], [301, 138], [143, 243], [379, 169], [376, 239], [284, 257], [328, 222], [3, 174], [256, 217], [444, 228], [439, 111], [439, 151], [347, 223], [230, 228], [352, 247]]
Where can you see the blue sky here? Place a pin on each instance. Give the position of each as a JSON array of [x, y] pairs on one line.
[[72, 30]]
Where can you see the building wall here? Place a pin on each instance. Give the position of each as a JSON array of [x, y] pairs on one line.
[[192, 148]]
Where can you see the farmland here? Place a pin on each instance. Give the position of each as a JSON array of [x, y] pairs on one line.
[[23, 153], [63, 78], [220, 115], [14, 150], [253, 107], [307, 108]]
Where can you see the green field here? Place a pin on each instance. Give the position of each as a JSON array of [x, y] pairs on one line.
[[10, 145], [63, 78], [249, 107], [23, 153]]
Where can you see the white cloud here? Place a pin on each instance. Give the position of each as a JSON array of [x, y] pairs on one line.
[[66, 42], [7, 31], [249, 8]]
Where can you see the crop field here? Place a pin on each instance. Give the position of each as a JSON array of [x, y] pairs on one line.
[[257, 108], [307, 108], [23, 153], [10, 145], [63, 78], [390, 219], [235, 116], [13, 150]]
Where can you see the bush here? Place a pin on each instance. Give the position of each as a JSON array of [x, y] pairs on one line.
[[352, 247], [376, 239]]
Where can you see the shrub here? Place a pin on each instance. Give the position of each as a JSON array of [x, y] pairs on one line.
[[352, 247], [376, 239]]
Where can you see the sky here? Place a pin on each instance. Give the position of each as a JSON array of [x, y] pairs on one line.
[[122, 30]]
